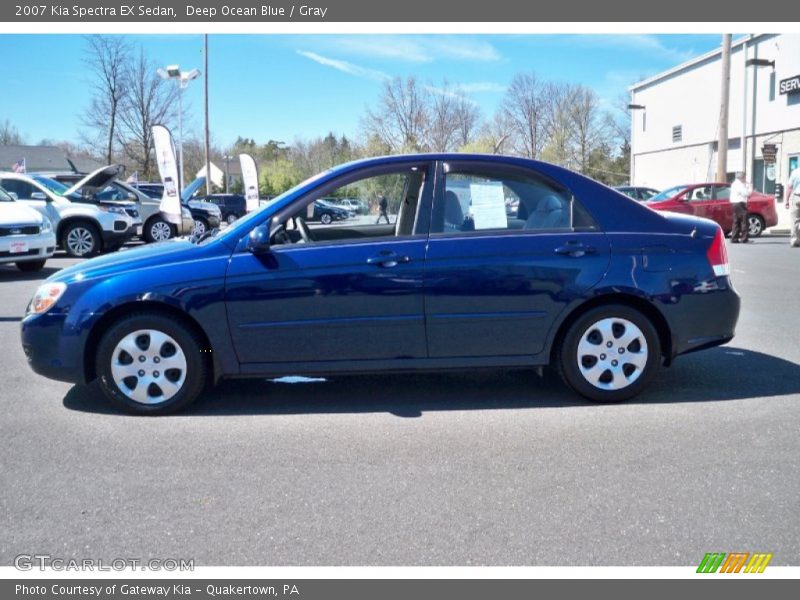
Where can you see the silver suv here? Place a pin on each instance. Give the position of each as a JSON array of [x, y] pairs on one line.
[[84, 224]]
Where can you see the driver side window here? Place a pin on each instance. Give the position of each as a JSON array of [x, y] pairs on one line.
[[378, 206]]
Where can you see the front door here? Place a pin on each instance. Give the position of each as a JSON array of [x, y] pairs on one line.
[[351, 290], [508, 251]]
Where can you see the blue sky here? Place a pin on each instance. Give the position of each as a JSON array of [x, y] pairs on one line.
[[284, 87]]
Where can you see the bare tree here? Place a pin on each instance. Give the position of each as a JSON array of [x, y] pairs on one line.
[[149, 101], [559, 126], [400, 119], [587, 124], [524, 107], [107, 58], [467, 118], [9, 134], [442, 126]]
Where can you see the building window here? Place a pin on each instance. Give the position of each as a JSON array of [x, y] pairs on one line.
[[772, 86], [677, 133]]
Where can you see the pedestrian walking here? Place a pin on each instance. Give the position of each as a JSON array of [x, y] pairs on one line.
[[792, 200], [383, 205], [740, 192]]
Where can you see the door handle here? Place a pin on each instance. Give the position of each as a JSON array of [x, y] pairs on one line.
[[388, 259], [575, 249]]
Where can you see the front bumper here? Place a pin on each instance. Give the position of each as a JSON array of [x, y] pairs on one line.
[[39, 247], [115, 239], [52, 348]]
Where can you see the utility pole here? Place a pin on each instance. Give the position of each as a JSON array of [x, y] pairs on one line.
[[725, 92], [207, 141]]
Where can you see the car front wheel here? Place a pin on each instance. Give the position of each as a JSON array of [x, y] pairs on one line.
[[231, 219], [150, 364], [200, 227], [609, 354], [755, 225], [326, 219], [81, 240]]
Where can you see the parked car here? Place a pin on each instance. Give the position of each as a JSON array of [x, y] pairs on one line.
[[231, 206], [712, 201], [326, 213], [352, 205], [26, 236], [157, 226], [642, 194], [601, 288], [205, 215], [85, 225]]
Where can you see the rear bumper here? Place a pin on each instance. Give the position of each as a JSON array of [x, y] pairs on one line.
[[703, 319]]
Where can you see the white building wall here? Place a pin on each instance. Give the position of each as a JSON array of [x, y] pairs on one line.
[[689, 96]]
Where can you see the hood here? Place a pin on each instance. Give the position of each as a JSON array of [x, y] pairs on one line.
[[203, 205], [16, 213], [97, 179], [190, 189], [161, 253]]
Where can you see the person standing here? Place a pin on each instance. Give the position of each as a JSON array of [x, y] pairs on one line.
[[740, 192], [792, 199], [383, 205]]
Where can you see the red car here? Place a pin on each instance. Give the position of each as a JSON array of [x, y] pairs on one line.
[[711, 200]]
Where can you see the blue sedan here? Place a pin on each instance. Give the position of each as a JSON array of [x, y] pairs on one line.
[[492, 262]]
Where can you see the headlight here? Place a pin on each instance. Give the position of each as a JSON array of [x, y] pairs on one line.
[[46, 297], [47, 226]]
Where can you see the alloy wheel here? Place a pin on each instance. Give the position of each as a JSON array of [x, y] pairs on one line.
[[199, 227], [754, 226], [160, 231], [612, 354], [148, 366], [80, 241]]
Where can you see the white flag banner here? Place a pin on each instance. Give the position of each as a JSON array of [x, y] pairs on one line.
[[168, 169], [250, 181]]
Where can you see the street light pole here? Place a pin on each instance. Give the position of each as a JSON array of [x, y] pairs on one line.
[[207, 138], [182, 79]]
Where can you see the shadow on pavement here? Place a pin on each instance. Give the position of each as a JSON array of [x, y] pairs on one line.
[[11, 273], [719, 374]]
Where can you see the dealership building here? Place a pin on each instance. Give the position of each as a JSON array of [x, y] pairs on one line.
[[675, 117]]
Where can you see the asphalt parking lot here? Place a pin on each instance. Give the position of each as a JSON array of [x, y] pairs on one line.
[[494, 468]]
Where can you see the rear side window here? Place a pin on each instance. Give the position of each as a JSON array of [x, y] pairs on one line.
[[495, 199]]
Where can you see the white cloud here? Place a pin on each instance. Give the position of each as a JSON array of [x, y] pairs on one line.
[[417, 50], [477, 87], [646, 43], [346, 67]]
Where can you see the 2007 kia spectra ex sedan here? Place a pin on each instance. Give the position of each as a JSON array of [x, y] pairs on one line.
[[486, 261]]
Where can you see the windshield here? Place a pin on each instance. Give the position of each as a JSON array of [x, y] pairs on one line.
[[4, 197], [668, 193], [54, 186]]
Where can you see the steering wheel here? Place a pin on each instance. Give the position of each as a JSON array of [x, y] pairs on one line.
[[305, 232], [281, 236]]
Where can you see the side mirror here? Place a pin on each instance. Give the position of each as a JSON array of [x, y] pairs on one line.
[[133, 197], [38, 196], [258, 240]]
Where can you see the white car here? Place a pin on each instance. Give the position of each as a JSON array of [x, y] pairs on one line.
[[26, 236], [84, 224]]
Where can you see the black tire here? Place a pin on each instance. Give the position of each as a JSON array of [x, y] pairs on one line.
[[567, 357], [156, 228], [189, 344], [755, 225], [231, 219], [86, 232], [326, 218], [29, 266]]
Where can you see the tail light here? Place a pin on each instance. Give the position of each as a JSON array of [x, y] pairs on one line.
[[717, 255]]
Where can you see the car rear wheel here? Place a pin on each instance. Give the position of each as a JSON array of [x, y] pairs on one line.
[[157, 230], [29, 266], [81, 240], [149, 364], [609, 354], [755, 225]]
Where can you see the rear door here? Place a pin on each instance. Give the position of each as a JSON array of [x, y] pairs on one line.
[[508, 250]]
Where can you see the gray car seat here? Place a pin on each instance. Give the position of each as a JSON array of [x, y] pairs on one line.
[[549, 214]]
